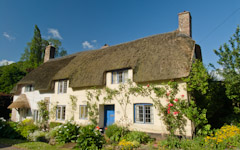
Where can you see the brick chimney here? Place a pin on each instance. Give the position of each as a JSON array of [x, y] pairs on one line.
[[49, 53], [185, 23]]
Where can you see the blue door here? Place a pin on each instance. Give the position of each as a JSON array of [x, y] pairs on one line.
[[109, 115]]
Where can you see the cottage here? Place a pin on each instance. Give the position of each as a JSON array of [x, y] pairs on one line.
[[154, 59]]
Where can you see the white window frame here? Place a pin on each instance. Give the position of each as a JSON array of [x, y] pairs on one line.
[[62, 86], [83, 116], [120, 76], [61, 109], [147, 113], [29, 88]]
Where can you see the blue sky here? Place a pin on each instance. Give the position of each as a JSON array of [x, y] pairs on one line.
[[89, 24]]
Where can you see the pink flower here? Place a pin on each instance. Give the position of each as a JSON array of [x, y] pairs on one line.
[[170, 105], [182, 96], [147, 85], [167, 100], [168, 94], [175, 113], [175, 99]]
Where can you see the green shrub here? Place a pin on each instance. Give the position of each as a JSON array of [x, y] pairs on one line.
[[115, 133], [90, 138], [140, 137], [67, 132], [26, 127], [9, 130], [186, 144], [38, 136], [54, 124]]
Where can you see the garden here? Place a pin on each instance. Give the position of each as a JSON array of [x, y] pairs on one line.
[[213, 109]]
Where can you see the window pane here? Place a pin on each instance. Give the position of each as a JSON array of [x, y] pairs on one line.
[[60, 87], [81, 112], [125, 75], [120, 77], [63, 112], [58, 112], [141, 113], [148, 118], [85, 112], [114, 77], [65, 86]]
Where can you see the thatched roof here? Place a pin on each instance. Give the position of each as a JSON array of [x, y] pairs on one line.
[[158, 57], [42, 77], [20, 102]]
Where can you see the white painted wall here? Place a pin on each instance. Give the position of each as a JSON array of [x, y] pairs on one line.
[[33, 98], [156, 127]]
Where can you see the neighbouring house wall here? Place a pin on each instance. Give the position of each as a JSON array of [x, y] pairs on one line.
[[156, 127], [33, 98]]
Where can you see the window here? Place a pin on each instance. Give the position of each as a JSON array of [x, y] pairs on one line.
[[36, 117], [60, 112], [62, 86], [83, 112], [143, 113], [29, 88], [120, 76]]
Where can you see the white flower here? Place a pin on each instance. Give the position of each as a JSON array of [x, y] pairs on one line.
[[60, 131], [65, 126], [67, 129]]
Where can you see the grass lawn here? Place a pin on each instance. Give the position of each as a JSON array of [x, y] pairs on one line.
[[31, 145]]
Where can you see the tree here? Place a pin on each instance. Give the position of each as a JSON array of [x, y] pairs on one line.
[[229, 61], [34, 52], [9, 76]]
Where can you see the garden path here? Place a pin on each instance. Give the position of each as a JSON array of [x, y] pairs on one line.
[[9, 147]]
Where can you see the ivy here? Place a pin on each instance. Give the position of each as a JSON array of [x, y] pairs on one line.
[[44, 113]]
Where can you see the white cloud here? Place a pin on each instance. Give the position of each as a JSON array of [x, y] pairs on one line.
[[54, 33], [86, 44], [216, 76], [94, 41], [7, 36], [5, 62]]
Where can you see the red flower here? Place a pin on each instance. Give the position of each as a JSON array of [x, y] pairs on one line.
[[175, 113], [106, 128], [97, 127], [168, 111], [147, 85], [182, 96], [170, 105], [175, 99]]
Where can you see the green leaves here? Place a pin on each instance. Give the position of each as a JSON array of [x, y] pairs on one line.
[[9, 76], [229, 61], [198, 78]]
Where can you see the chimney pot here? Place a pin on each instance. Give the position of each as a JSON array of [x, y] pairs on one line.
[[185, 23], [49, 53]]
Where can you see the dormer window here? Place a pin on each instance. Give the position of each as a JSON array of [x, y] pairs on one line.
[[29, 88], [62, 86], [119, 76]]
